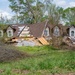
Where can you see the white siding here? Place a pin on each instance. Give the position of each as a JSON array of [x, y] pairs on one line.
[[72, 29]]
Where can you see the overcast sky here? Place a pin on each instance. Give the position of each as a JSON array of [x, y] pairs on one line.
[[6, 11]]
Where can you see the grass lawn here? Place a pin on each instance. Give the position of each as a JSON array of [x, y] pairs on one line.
[[44, 60]]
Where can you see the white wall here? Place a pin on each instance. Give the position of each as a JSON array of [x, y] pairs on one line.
[[72, 29]]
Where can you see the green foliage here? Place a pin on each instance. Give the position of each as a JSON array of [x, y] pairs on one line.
[[3, 26], [53, 13], [28, 11], [34, 11], [68, 16]]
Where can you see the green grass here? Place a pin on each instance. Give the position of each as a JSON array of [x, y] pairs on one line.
[[45, 60], [36, 49]]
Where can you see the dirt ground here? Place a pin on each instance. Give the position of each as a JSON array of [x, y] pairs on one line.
[[8, 53]]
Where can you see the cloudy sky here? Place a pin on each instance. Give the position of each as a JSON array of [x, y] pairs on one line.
[[65, 3], [6, 11]]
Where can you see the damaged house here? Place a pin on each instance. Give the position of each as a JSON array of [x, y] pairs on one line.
[[37, 34]]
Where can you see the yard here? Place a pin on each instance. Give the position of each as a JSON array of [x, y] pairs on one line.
[[44, 60]]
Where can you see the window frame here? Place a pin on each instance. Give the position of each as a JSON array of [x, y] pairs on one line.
[[56, 31], [9, 34]]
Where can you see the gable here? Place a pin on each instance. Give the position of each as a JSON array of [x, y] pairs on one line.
[[72, 31], [9, 28], [10, 32]]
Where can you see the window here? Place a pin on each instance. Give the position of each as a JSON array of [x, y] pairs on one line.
[[1, 33], [10, 33], [46, 32], [72, 33], [56, 31]]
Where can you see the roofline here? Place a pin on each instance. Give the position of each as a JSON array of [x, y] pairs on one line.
[[44, 27], [9, 26]]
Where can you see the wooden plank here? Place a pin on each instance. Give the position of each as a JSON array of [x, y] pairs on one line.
[[43, 41]]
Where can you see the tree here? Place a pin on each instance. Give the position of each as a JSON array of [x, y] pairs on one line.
[[68, 16], [54, 13], [33, 11], [29, 11], [3, 19]]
